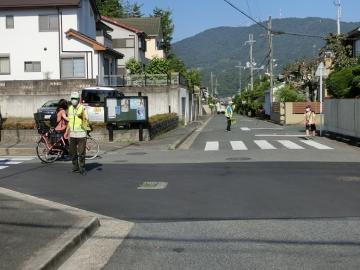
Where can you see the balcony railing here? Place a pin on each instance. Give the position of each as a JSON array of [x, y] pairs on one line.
[[141, 80]]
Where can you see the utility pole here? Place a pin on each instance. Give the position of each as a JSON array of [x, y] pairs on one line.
[[240, 68], [251, 42], [212, 83], [337, 3], [216, 86], [271, 61]]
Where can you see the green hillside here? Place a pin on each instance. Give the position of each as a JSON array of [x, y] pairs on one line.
[[220, 49]]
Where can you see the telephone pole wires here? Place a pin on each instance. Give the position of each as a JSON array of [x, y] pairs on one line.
[[251, 42], [271, 64]]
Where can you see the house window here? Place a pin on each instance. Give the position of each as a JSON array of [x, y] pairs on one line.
[[4, 64], [73, 67], [9, 22], [130, 43], [357, 48], [48, 23], [158, 45], [32, 66]]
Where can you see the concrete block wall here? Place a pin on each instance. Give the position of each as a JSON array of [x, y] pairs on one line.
[[342, 116]]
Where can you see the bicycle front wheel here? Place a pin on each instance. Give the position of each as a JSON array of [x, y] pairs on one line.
[[92, 148], [45, 154]]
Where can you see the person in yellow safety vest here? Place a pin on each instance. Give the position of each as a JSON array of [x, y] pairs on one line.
[[228, 115], [77, 116]]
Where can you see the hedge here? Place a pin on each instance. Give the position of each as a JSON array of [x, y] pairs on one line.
[[161, 123]]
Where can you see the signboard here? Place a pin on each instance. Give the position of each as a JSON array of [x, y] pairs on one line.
[[126, 109], [321, 71]]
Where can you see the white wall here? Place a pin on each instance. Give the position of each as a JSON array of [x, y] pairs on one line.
[[26, 43], [151, 50], [342, 116]]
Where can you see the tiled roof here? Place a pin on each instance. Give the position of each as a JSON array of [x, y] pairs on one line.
[[118, 23], [96, 45], [37, 3], [150, 25]]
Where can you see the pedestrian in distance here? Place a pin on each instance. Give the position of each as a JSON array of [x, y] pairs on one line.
[[228, 115], [78, 120], [310, 121]]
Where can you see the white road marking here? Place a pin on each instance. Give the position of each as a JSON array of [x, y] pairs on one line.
[[3, 167], [212, 146], [245, 129], [16, 158], [280, 135], [10, 162], [238, 145], [265, 145], [290, 144], [267, 128], [317, 145]]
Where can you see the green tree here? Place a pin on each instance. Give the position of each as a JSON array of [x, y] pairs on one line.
[[344, 83], [133, 66], [193, 78], [132, 9], [158, 66], [167, 27], [177, 65], [340, 50], [110, 8], [289, 94]]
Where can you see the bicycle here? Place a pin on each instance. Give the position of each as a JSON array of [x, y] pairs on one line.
[[53, 145]]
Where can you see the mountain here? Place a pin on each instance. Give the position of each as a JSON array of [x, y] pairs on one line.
[[220, 49]]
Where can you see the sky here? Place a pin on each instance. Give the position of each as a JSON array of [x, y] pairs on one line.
[[194, 16]]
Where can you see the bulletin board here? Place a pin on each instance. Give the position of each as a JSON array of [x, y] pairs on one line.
[[126, 109]]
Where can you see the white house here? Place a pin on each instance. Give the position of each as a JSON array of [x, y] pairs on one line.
[[127, 40], [54, 39], [154, 36]]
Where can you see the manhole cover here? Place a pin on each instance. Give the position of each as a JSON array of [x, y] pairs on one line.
[[136, 154], [178, 250], [238, 158], [152, 185], [349, 178]]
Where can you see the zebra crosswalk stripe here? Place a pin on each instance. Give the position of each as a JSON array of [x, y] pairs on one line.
[[290, 145], [212, 146], [238, 145], [264, 145], [316, 145], [3, 167]]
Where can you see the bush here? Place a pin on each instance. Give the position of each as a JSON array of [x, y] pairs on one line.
[[289, 94], [18, 123], [339, 82], [155, 119]]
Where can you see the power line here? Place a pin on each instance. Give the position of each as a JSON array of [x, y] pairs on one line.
[[275, 32]]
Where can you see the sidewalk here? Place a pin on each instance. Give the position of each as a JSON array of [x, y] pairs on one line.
[[167, 141], [34, 236]]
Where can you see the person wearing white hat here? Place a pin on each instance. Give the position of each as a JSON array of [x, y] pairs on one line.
[[77, 116], [228, 115]]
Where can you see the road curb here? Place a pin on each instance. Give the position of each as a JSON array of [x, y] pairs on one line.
[[55, 256], [62, 249], [175, 145]]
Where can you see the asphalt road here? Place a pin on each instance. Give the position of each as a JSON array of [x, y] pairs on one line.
[[214, 213]]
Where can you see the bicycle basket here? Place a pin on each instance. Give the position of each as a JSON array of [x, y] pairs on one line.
[[42, 125]]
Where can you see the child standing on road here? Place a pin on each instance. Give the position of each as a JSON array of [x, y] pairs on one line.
[[310, 121]]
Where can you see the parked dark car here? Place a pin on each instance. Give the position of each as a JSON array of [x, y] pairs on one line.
[[48, 109]]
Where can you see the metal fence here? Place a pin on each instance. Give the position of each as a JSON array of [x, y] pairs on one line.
[[141, 80]]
